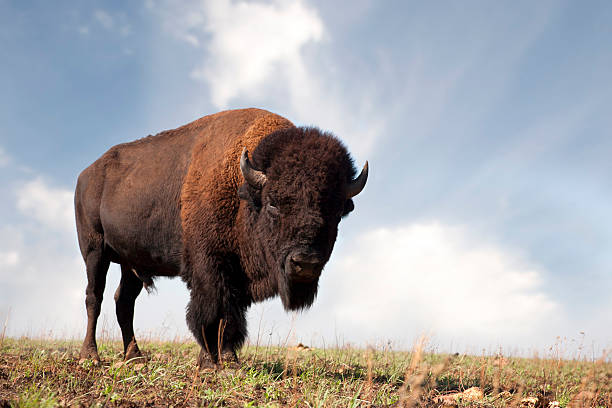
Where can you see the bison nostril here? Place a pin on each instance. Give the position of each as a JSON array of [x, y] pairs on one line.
[[297, 266], [308, 265]]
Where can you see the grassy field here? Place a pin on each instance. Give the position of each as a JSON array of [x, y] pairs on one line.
[[47, 373]]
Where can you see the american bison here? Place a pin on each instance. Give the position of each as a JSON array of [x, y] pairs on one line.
[[189, 202]]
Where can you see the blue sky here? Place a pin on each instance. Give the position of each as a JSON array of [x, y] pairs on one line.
[[485, 221]]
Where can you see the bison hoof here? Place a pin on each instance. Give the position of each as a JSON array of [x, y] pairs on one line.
[[89, 353], [229, 359], [133, 354], [205, 362], [229, 356]]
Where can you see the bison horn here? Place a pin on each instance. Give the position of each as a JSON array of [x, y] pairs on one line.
[[356, 186], [255, 178]]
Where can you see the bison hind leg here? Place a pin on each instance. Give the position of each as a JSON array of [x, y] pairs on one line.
[[96, 262], [129, 288]]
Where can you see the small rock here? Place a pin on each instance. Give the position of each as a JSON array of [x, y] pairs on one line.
[[471, 394], [529, 402], [553, 404], [301, 347]]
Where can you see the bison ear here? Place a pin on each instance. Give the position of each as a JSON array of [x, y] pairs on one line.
[[348, 207], [250, 195]]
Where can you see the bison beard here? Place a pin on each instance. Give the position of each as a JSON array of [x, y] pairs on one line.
[[189, 202]]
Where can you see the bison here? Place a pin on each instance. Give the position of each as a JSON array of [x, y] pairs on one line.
[[189, 202]]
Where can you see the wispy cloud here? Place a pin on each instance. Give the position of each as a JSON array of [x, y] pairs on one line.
[[104, 18], [112, 22]]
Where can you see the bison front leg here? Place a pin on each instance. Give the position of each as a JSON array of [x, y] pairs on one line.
[[125, 297], [217, 308], [216, 327], [209, 355], [201, 312], [232, 333], [221, 335]]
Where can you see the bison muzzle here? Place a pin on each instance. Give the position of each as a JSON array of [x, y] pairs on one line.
[[190, 202]]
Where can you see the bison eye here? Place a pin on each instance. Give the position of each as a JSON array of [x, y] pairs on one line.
[[272, 209]]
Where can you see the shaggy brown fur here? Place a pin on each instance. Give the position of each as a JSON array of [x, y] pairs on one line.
[[177, 204]]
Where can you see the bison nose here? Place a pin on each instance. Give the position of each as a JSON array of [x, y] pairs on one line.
[[306, 266]]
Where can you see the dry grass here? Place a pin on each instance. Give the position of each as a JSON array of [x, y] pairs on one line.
[[47, 373]]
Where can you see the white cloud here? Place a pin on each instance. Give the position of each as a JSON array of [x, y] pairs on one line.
[[247, 43], [397, 283], [53, 207], [446, 281], [251, 41], [256, 52]]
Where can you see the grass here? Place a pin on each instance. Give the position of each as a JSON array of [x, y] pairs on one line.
[[37, 373]]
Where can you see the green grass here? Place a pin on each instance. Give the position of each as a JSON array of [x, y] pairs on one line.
[[37, 373]]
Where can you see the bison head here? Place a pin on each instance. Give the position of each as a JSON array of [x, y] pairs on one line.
[[299, 186]]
